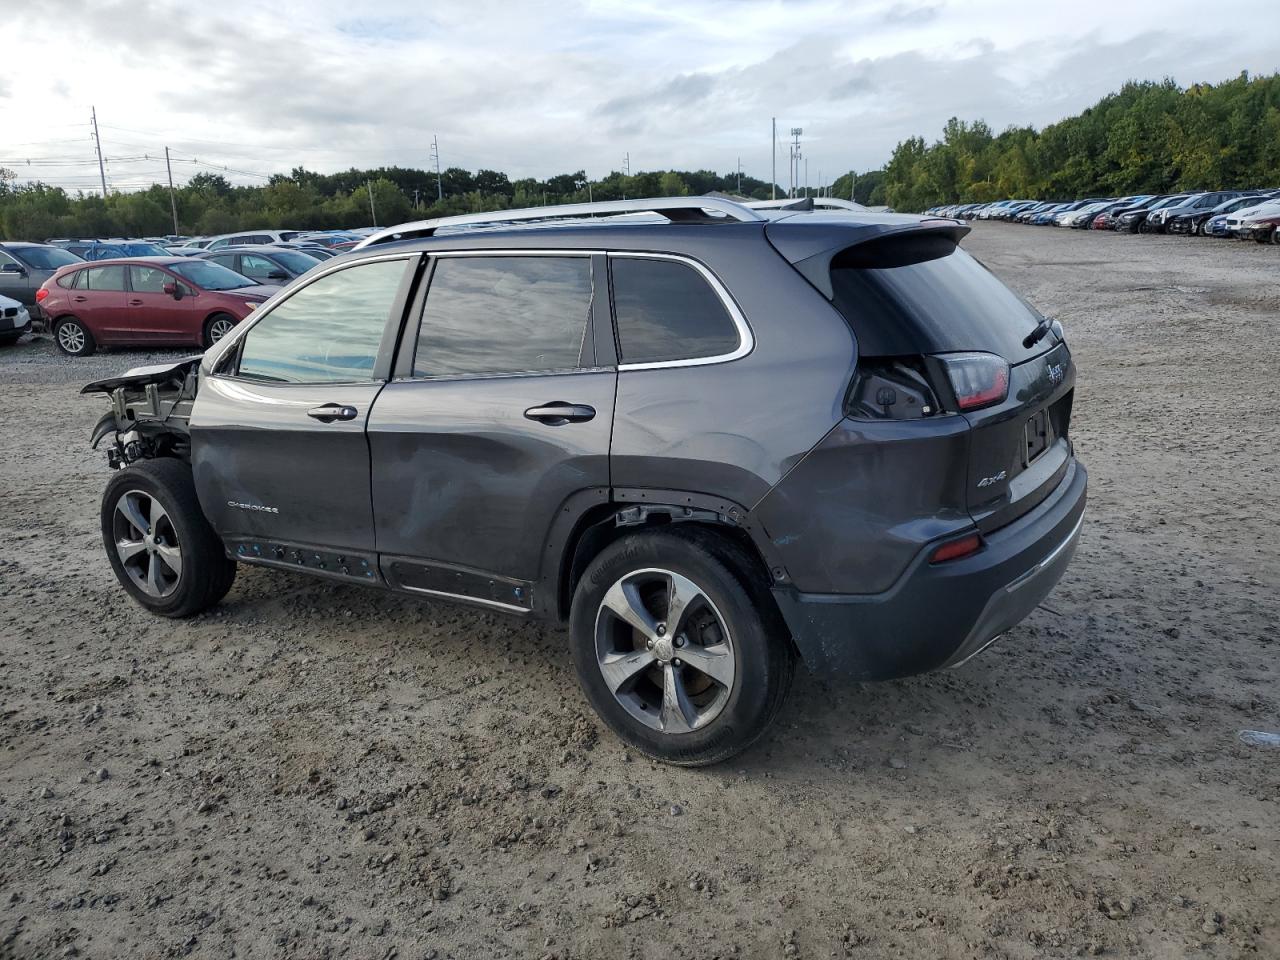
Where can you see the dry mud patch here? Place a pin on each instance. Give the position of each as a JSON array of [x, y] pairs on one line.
[[316, 771]]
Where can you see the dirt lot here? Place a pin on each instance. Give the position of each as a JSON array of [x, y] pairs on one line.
[[319, 771]]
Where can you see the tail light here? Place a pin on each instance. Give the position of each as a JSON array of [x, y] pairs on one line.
[[978, 379], [41, 295], [955, 549]]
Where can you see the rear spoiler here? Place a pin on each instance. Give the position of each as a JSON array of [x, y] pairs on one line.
[[811, 250], [141, 376]]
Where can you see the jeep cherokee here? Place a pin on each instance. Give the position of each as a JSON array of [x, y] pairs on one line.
[[711, 439]]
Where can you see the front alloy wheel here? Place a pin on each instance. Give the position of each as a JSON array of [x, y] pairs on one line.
[[664, 650], [147, 543], [219, 327]]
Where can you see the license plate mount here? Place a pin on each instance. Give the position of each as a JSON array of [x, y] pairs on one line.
[[1039, 434]]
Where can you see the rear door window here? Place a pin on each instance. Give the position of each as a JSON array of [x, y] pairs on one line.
[[104, 278], [327, 332], [666, 311], [489, 316]]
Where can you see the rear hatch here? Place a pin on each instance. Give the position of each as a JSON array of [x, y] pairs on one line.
[[918, 303]]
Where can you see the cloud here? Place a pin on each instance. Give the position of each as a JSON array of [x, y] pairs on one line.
[[540, 88]]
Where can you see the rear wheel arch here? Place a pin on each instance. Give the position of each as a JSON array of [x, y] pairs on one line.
[[712, 519]]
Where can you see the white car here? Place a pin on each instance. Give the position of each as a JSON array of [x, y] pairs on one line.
[[14, 320], [251, 238], [1237, 220]]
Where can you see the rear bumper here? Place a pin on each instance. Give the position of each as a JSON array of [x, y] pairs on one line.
[[940, 616]]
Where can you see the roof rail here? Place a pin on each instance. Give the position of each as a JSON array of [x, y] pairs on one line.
[[673, 208], [806, 203]]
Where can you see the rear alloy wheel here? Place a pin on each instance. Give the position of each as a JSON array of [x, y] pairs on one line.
[[217, 327], [73, 337], [665, 651], [679, 648]]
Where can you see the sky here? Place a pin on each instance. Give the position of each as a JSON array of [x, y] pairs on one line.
[[536, 89]]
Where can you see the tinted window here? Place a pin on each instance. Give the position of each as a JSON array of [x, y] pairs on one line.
[[104, 278], [925, 295], [148, 279], [488, 315], [69, 280], [666, 311], [327, 332]]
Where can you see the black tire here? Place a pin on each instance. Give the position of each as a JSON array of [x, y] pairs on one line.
[[206, 572], [764, 660], [210, 335], [73, 337]]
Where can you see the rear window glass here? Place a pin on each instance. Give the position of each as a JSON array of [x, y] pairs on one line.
[[498, 315], [915, 295], [666, 311], [104, 278]]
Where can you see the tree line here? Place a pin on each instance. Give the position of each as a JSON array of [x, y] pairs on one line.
[[210, 204], [1148, 137]]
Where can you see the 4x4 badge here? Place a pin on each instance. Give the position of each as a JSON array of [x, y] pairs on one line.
[[1056, 373]]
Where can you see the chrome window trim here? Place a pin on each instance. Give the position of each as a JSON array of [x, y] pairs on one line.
[[746, 339], [265, 309]]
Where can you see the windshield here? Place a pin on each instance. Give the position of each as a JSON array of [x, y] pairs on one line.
[[44, 258], [297, 262], [210, 276]]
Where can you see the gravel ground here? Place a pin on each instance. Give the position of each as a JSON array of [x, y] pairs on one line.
[[313, 770]]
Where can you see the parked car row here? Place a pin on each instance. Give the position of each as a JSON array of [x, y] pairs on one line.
[[1242, 214], [154, 291]]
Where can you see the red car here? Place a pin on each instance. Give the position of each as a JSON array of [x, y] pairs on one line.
[[146, 300]]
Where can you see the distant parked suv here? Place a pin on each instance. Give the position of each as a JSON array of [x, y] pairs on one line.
[[711, 439]]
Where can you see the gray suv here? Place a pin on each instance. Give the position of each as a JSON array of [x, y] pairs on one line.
[[711, 439]]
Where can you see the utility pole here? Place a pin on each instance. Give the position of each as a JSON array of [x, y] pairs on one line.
[[773, 151], [435, 155], [102, 170], [853, 185], [739, 176], [372, 212], [795, 158], [806, 177], [590, 198], [415, 198], [173, 203], [626, 171]]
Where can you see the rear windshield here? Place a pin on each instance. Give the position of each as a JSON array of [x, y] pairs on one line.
[[916, 295]]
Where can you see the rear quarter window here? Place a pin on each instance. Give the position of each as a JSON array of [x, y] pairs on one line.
[[666, 311]]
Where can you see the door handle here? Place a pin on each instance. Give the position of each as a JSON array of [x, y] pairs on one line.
[[329, 412], [559, 413], [135, 303], [79, 299]]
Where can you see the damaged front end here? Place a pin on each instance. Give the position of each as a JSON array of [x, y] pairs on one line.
[[150, 412]]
